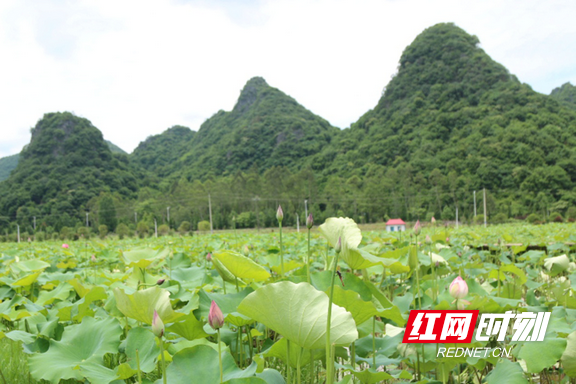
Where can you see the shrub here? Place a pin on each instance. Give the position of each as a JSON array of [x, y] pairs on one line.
[[499, 218], [246, 220], [142, 229], [103, 230], [204, 225], [479, 219], [163, 230], [122, 230], [40, 236], [448, 213], [84, 232], [184, 227], [571, 213], [533, 218], [64, 233], [556, 217]]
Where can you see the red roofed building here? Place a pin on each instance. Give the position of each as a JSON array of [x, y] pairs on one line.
[[395, 225]]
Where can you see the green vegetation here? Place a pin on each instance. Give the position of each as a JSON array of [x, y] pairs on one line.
[[7, 164], [86, 312], [566, 94], [451, 121]]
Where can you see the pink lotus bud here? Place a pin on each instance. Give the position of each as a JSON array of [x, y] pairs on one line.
[[29, 239], [65, 245], [160, 281], [447, 239], [93, 258], [338, 246], [428, 239], [279, 214], [309, 221], [246, 250], [458, 288], [215, 316], [433, 220], [417, 228], [157, 325], [209, 257]]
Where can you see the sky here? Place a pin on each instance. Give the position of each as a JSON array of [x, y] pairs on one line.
[[136, 68]]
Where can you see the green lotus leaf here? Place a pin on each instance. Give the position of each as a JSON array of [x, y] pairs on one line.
[[32, 265], [141, 305], [299, 312], [227, 303], [542, 354], [61, 292], [556, 265], [238, 319], [278, 350], [142, 340], [569, 355], [361, 310], [201, 361], [224, 273], [344, 228], [190, 328], [143, 257], [26, 280], [83, 343], [271, 376], [506, 372], [241, 266], [246, 380]]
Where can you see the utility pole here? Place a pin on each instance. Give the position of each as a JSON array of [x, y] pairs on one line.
[[297, 223], [18, 227], [484, 207], [474, 204], [306, 207], [210, 213], [155, 228], [456, 217], [87, 222], [168, 215], [34, 223], [136, 218]]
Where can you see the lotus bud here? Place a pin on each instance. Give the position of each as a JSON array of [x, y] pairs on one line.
[[160, 281], [246, 250], [338, 246], [458, 288], [209, 257], [428, 239], [279, 214], [437, 263], [65, 246], [215, 316], [433, 220], [29, 239], [447, 240], [93, 258], [309, 221], [157, 325], [417, 228]]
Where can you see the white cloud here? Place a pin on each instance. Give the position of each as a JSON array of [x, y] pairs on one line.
[[135, 68]]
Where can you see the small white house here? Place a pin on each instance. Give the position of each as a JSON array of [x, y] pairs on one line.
[[395, 225]]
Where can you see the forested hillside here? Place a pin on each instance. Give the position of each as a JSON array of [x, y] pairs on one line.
[[450, 122], [66, 164]]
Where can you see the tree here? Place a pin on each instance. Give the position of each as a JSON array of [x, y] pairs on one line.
[[107, 212]]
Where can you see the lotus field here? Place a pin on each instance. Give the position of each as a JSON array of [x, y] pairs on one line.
[[327, 305]]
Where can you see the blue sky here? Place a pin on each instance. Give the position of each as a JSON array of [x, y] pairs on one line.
[[136, 68]]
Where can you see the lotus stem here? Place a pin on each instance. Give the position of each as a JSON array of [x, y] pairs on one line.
[[138, 365], [298, 372], [308, 259], [164, 377], [329, 361], [374, 342], [288, 370], [281, 250], [220, 358]]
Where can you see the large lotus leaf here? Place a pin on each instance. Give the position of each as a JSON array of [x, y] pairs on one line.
[[299, 312], [142, 340], [542, 354], [96, 373], [385, 307], [26, 280], [357, 258], [506, 372], [361, 310], [344, 228], [227, 303], [190, 328], [278, 350], [61, 292], [271, 376], [141, 305], [201, 361], [32, 265], [246, 380], [556, 265], [83, 343], [371, 376], [241, 266], [569, 355], [143, 257], [224, 273]]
